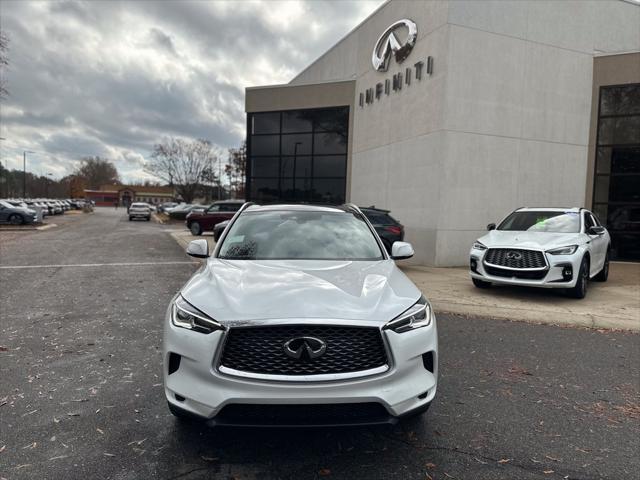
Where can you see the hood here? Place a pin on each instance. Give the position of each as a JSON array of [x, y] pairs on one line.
[[232, 291], [536, 240]]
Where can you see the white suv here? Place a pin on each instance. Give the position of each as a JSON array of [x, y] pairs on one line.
[[543, 247], [139, 210], [299, 318]]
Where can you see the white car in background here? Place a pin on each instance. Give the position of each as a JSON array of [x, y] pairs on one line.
[[543, 247], [140, 210], [299, 318]]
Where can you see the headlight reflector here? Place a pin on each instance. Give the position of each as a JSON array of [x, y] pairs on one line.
[[185, 315], [568, 250], [419, 315], [478, 246]]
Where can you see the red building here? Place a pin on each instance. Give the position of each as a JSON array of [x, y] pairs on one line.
[[124, 195]]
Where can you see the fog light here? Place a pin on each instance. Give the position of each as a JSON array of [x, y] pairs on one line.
[[473, 264], [567, 273]]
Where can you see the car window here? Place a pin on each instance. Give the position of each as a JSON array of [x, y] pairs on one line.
[[214, 208], [588, 222], [595, 220], [379, 218], [542, 221], [230, 207], [300, 235]]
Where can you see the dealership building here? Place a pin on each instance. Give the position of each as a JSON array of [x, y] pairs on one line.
[[451, 114]]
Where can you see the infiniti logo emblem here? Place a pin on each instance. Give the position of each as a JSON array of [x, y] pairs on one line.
[[388, 43], [304, 348], [514, 256]]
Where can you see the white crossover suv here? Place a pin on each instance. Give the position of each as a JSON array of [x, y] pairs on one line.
[[543, 247], [299, 318]]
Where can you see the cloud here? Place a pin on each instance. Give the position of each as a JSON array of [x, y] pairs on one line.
[[113, 78]]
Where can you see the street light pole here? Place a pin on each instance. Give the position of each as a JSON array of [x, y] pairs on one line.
[[24, 173]]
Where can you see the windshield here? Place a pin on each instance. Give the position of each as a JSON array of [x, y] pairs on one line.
[[139, 205], [542, 221], [300, 235]]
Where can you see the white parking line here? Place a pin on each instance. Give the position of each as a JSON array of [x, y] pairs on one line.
[[131, 264]]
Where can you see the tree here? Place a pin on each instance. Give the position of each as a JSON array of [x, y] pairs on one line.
[[236, 170], [96, 171], [4, 62], [184, 164]]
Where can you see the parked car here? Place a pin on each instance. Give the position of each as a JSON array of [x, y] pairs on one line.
[[216, 213], [308, 321], [181, 211], [163, 206], [16, 215], [199, 209], [389, 229], [54, 208], [543, 247], [139, 210], [219, 229]]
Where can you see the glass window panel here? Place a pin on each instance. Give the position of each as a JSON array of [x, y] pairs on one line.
[[265, 122], [328, 190], [264, 189], [603, 160], [332, 120], [619, 130], [296, 190], [625, 160], [265, 166], [626, 246], [624, 217], [620, 100], [266, 145], [303, 142], [330, 166], [602, 189], [301, 167], [297, 121], [624, 188], [600, 210], [329, 143]]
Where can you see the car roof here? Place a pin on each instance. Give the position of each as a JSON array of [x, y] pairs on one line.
[[550, 209], [299, 207], [218, 202]]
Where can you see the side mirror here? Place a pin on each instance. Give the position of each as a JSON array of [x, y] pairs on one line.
[[401, 250], [596, 230], [198, 248], [491, 226]]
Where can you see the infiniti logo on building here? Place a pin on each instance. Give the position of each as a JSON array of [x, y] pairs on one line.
[[389, 44], [304, 348]]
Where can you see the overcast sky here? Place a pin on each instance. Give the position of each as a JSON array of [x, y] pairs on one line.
[[112, 78]]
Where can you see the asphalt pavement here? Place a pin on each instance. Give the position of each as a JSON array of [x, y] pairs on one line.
[[81, 311]]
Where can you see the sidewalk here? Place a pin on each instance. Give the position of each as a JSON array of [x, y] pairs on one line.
[[614, 304]]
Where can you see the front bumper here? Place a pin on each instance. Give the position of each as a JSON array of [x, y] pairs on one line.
[[197, 386], [555, 275]]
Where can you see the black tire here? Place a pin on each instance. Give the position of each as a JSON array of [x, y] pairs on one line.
[[480, 283], [580, 290], [130, 218], [148, 218], [195, 228], [603, 274], [181, 414], [15, 219]]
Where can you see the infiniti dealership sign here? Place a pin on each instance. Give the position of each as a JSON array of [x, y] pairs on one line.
[[389, 45]]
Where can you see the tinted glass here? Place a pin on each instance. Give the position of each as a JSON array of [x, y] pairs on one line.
[[328, 190], [619, 130], [230, 207], [265, 166], [331, 120], [542, 221], [330, 166], [621, 100], [296, 235], [296, 144], [296, 121], [265, 122], [298, 167], [378, 218], [265, 145], [265, 189], [329, 143]]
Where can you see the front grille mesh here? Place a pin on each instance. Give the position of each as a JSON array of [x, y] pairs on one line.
[[260, 349], [527, 258]]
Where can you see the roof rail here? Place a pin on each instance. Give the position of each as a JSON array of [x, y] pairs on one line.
[[352, 206], [245, 205]]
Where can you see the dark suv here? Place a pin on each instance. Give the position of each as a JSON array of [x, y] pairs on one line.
[[216, 213], [388, 228]]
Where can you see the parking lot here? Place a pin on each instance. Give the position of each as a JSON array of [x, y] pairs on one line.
[[81, 395]]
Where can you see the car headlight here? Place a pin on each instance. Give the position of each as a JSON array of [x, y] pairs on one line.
[[568, 250], [419, 315], [479, 246], [185, 315]]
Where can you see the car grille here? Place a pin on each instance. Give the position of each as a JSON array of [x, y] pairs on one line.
[[522, 274], [261, 350], [503, 257], [303, 415]]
